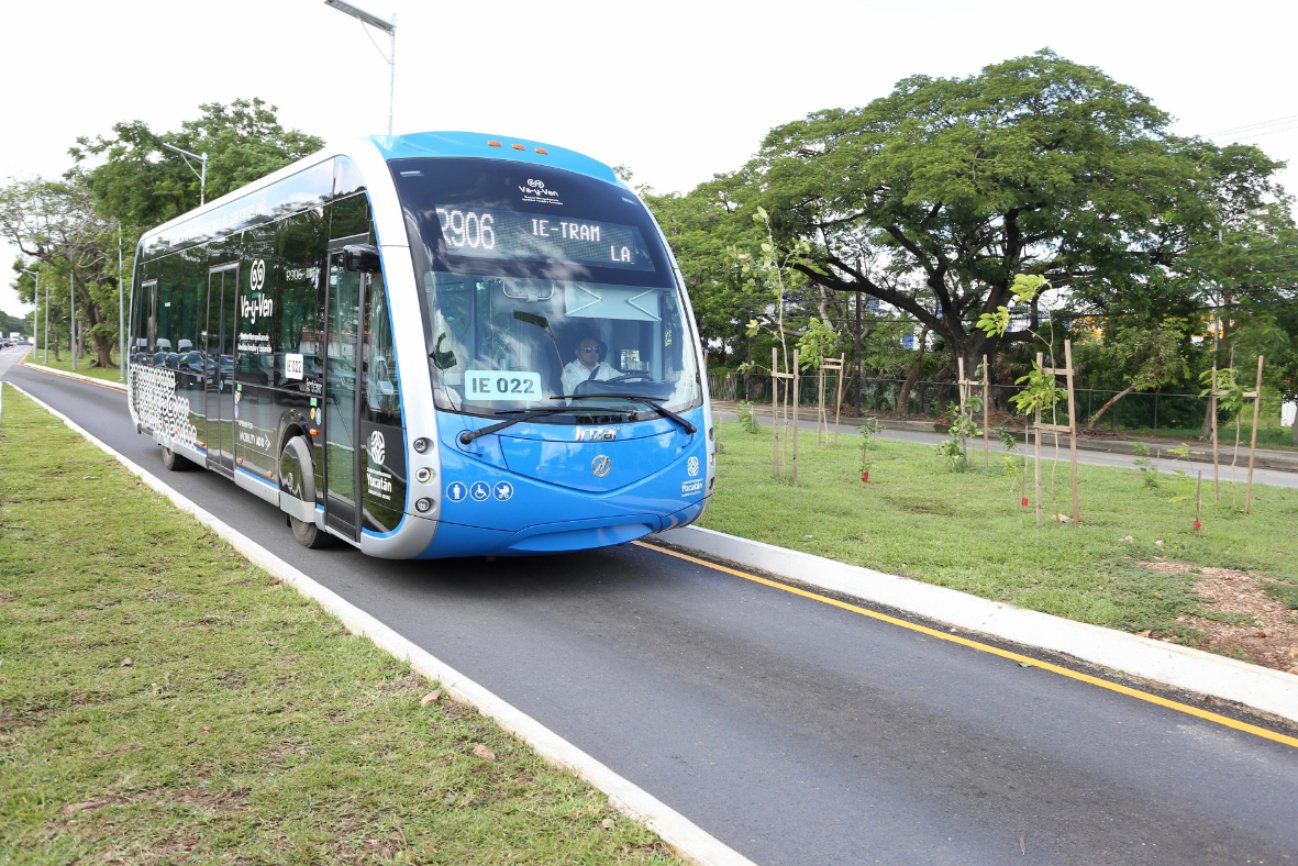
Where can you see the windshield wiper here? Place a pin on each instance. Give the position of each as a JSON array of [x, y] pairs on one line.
[[651, 402], [526, 415]]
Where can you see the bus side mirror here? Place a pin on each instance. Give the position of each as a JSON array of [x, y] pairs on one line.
[[361, 257]]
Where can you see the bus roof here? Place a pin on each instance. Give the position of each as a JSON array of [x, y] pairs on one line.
[[477, 144], [415, 145]]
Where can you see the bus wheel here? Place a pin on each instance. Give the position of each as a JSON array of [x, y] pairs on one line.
[[309, 535], [174, 462], [297, 479]]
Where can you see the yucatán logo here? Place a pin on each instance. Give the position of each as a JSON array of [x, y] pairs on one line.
[[692, 466], [377, 448]]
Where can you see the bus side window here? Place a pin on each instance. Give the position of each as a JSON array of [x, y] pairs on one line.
[[382, 391]]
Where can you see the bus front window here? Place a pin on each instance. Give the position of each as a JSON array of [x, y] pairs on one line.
[[544, 289], [509, 343]]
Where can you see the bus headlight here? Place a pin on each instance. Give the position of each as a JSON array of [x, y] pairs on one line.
[[422, 445], [423, 504], [424, 474]]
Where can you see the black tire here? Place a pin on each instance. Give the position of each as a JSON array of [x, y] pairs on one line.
[[297, 478], [174, 462], [309, 535]]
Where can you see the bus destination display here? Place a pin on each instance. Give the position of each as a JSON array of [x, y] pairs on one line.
[[471, 231]]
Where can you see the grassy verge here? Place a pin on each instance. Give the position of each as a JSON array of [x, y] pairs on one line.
[[967, 530], [64, 362], [1269, 435], [163, 701]]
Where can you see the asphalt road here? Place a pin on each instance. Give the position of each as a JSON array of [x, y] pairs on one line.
[[796, 732]]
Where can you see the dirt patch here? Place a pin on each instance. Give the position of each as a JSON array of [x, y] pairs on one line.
[[94, 803], [920, 506], [410, 682], [1255, 625]]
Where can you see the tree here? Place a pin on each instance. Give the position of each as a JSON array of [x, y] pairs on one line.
[[1271, 330], [701, 232], [9, 324], [1244, 267], [123, 184], [1035, 165], [1148, 355], [56, 224], [138, 181]]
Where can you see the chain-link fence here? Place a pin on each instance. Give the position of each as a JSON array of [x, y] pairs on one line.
[[1152, 413]]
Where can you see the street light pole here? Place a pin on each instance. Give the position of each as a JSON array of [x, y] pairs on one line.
[[72, 318], [388, 27], [202, 176], [121, 312]]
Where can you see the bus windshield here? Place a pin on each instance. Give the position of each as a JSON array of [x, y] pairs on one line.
[[544, 289]]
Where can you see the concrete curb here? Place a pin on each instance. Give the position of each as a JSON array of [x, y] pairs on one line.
[[681, 834], [1181, 667], [89, 380]]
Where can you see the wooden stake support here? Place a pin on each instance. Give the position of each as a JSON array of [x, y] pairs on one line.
[[1252, 445], [965, 384], [1070, 428], [782, 414], [830, 365], [1213, 394], [1256, 396]]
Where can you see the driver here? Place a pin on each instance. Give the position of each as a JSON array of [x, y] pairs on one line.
[[587, 365]]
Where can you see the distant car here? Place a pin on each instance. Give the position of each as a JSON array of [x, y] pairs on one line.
[[193, 369]]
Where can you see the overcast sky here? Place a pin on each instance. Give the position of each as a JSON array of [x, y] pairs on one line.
[[677, 90]]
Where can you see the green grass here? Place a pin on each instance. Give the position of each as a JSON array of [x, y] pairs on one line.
[[64, 362], [163, 701], [967, 530], [1270, 434]]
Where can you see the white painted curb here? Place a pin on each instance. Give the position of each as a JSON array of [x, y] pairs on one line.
[[683, 835], [67, 374], [1262, 688]]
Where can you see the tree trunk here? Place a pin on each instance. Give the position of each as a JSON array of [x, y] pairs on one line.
[[912, 376], [1205, 429], [103, 351], [1221, 350], [1090, 423]]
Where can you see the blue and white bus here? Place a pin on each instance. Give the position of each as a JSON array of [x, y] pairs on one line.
[[429, 345]]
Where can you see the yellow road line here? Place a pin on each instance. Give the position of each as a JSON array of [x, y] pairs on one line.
[[1215, 718]]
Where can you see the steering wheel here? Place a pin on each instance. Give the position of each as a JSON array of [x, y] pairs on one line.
[[633, 375]]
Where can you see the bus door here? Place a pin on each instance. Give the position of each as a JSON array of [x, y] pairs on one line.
[[345, 299], [218, 360]]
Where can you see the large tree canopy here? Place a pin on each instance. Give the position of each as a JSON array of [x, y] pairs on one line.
[[121, 185], [56, 225], [702, 235], [932, 198], [142, 183]]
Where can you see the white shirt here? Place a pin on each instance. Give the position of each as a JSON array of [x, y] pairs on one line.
[[576, 372]]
